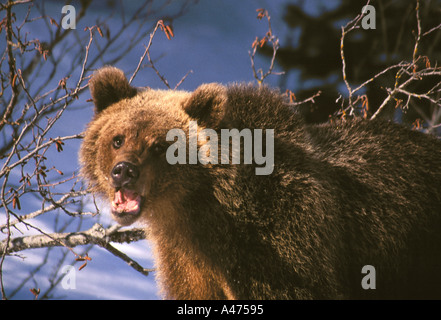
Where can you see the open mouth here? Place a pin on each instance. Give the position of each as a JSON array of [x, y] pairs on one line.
[[126, 203]]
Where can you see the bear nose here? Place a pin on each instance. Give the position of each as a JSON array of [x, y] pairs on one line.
[[124, 173]]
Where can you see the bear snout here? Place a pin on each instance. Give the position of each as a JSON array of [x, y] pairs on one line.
[[124, 173]]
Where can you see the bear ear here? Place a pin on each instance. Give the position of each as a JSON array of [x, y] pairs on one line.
[[206, 104], [109, 85]]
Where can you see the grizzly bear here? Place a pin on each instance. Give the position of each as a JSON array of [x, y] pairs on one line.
[[342, 201]]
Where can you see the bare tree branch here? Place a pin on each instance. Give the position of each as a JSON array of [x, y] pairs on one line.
[[95, 235], [406, 74]]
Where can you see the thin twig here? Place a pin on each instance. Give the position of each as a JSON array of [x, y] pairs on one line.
[[147, 49], [351, 25], [57, 204], [271, 38]]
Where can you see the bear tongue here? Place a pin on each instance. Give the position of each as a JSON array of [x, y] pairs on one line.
[[126, 201]]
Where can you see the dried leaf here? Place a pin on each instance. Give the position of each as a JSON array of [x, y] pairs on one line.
[[427, 62], [16, 202], [62, 83], [418, 124], [255, 43], [35, 292], [59, 144], [291, 95], [53, 22], [13, 80], [99, 31], [261, 13], [170, 30], [83, 258]]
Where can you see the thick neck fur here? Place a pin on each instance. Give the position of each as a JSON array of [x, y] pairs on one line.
[[185, 238]]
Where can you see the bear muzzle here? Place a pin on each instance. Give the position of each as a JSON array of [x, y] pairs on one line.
[[126, 204], [124, 173]]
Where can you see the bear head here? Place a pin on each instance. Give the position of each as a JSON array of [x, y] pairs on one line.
[[123, 152]]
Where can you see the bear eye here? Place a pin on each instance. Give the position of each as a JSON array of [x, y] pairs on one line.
[[118, 141]]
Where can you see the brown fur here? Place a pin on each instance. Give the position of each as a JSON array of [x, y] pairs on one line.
[[341, 196]]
